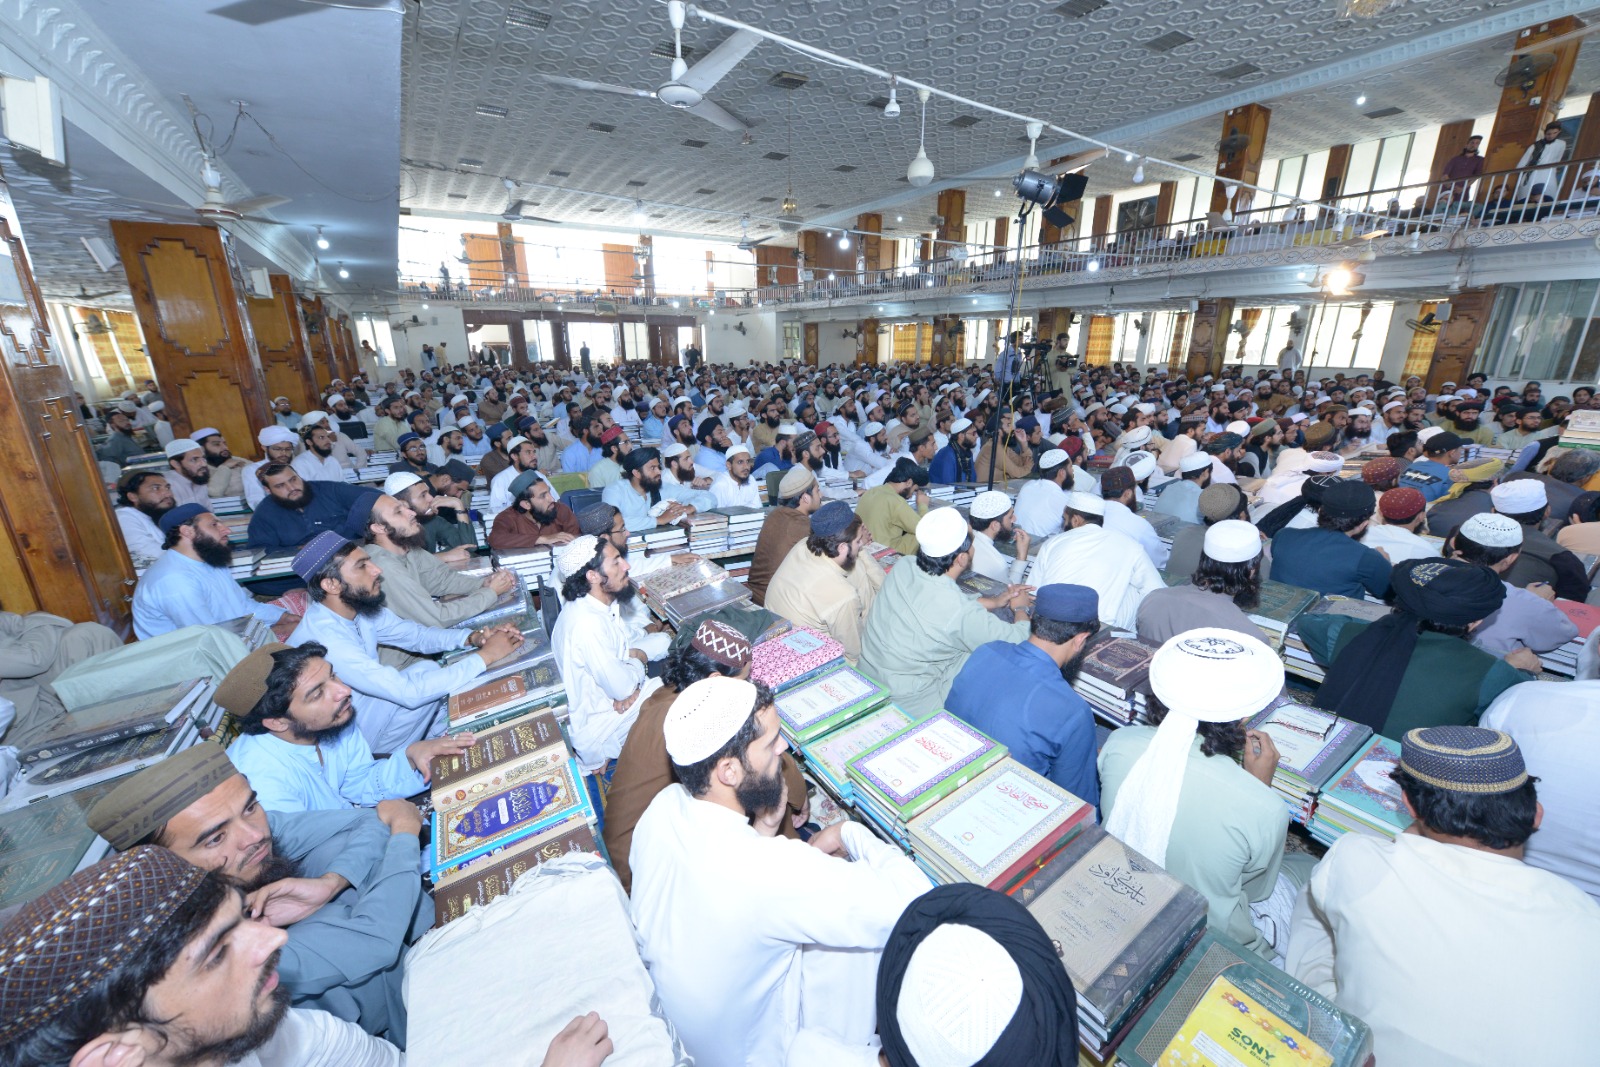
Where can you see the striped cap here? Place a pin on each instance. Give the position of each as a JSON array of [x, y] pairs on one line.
[[1463, 759]]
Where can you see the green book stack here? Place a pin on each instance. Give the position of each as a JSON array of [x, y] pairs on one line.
[[1362, 798], [826, 703], [915, 769], [829, 754]]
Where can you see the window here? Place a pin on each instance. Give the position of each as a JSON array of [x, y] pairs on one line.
[[1542, 331], [1347, 335], [793, 340]]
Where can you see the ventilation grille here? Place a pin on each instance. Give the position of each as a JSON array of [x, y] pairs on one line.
[[962, 122], [692, 143], [786, 79], [490, 111], [602, 127], [526, 18], [1385, 112], [1077, 9], [1238, 70], [1168, 41]]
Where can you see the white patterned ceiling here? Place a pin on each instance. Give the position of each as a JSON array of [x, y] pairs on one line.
[[1093, 73]]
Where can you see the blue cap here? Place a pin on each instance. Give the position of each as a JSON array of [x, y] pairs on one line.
[[359, 515], [831, 518], [405, 439], [316, 553], [1028, 423], [179, 515], [417, 414], [527, 422], [1067, 603]]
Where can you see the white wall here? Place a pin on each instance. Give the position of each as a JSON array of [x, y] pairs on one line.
[[833, 348], [439, 323], [762, 341]]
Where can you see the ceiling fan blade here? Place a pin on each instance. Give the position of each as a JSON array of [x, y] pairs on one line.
[[256, 203], [597, 87], [720, 60], [514, 209], [261, 221], [260, 12], [718, 116], [748, 244]]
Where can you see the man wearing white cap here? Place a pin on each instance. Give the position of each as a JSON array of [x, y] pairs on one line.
[[922, 627], [1223, 586], [161, 425], [1114, 565], [736, 924], [1185, 801], [1542, 559], [735, 487], [993, 518], [605, 673], [225, 467], [1527, 619], [277, 445], [348, 454], [1041, 500], [681, 481], [416, 583], [317, 463], [1182, 498], [188, 473]]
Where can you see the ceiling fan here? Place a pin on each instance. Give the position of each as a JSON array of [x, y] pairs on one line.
[[215, 208], [746, 244], [84, 296], [260, 12], [515, 204], [688, 86]]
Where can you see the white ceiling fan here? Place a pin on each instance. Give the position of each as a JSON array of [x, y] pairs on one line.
[[515, 203], [746, 244], [688, 86], [215, 208], [259, 12]]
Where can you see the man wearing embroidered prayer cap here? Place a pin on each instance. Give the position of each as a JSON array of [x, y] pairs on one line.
[[1176, 790], [1543, 559], [329, 877], [1017, 692], [1405, 519], [827, 581], [923, 626], [970, 979], [1113, 564], [1420, 936], [1528, 618], [724, 908], [993, 519], [1415, 666], [799, 496], [1224, 585]]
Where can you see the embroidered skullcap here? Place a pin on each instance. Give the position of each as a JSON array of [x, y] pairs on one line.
[[1052, 459], [180, 515], [1194, 461], [310, 560], [597, 519], [1325, 463], [1233, 541], [960, 991], [244, 686], [1223, 442], [1382, 471], [722, 643], [72, 937], [275, 435], [610, 434], [180, 445], [1450, 591], [205, 432], [1116, 480], [1086, 503], [1519, 496], [399, 482], [143, 803], [832, 518], [1492, 530], [578, 552], [1220, 501], [705, 717], [795, 481], [1319, 434], [1463, 759], [1402, 504], [990, 504]]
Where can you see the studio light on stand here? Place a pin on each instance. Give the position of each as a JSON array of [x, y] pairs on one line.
[[1050, 193]]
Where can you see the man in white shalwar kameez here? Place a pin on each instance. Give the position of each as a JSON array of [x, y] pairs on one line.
[[757, 943], [1114, 565]]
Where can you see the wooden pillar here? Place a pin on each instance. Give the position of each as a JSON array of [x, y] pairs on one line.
[[344, 356], [946, 349], [519, 345], [1460, 336], [1002, 237], [925, 248], [775, 266], [311, 310], [1338, 170], [867, 347], [1585, 146], [1523, 112], [1208, 340], [812, 344], [1102, 216], [870, 244], [511, 276], [61, 549], [953, 209], [1243, 164], [1049, 233], [1166, 197], [648, 268], [196, 329], [281, 342], [561, 349]]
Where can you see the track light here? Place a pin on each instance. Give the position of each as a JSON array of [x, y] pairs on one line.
[[891, 110], [844, 242], [322, 242], [1034, 128], [920, 172], [1138, 173]]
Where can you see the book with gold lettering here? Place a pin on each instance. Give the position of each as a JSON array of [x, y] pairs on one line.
[[530, 806], [472, 885], [499, 757], [1224, 1005], [492, 701], [997, 826], [921, 765]]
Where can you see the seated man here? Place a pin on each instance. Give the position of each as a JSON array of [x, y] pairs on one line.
[[191, 584], [226, 469], [1194, 809], [1527, 618], [1223, 586], [524, 458], [1182, 498], [993, 519], [799, 496], [170, 961], [295, 511], [348, 618], [644, 769], [700, 870], [1405, 519], [1017, 692], [614, 445], [34, 650], [639, 495], [825, 581], [1330, 557], [1395, 931], [446, 521], [534, 517], [318, 463], [1432, 474], [886, 510], [1542, 559], [922, 626], [1110, 563], [277, 446], [604, 670], [298, 743], [415, 581], [736, 487], [680, 481], [1119, 491], [187, 472], [343, 883], [145, 497], [1414, 667]]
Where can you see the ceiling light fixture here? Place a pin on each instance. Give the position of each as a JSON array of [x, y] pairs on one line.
[[920, 172], [1034, 129], [1138, 173], [1361, 101], [899, 218], [342, 272], [322, 242], [891, 110], [1092, 265], [639, 214], [1366, 9], [844, 242], [1127, 157]]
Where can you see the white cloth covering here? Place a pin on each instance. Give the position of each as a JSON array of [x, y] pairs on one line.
[[310, 1038]]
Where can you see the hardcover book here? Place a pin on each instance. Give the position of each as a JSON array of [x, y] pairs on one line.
[[924, 763], [830, 754], [498, 758], [980, 585], [1312, 744], [1281, 604], [1364, 792], [1122, 663], [788, 660], [146, 712], [509, 604], [531, 806], [112, 760], [997, 825], [43, 843], [1224, 1005], [828, 701], [1362, 610], [706, 598], [472, 885], [487, 699]]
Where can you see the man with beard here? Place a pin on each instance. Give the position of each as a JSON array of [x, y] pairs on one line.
[[584, 451], [277, 446], [146, 496], [533, 518], [120, 445], [1017, 692], [780, 454], [639, 494], [994, 520], [341, 882], [955, 462], [1466, 423], [474, 445], [614, 447], [871, 452], [386, 433], [348, 618], [188, 474], [226, 469], [699, 865], [446, 446], [834, 457], [712, 437], [413, 577], [348, 454], [524, 459], [317, 462], [735, 487], [799, 495], [1224, 585], [1391, 419], [680, 481], [764, 434], [1359, 432], [294, 510], [824, 582], [413, 457], [191, 584]]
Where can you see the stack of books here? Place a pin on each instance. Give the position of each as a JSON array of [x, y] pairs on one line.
[[251, 630], [238, 529], [1564, 660], [511, 604], [1362, 797], [1114, 678], [665, 540], [244, 562], [790, 659], [529, 564], [1581, 431], [1225, 997], [829, 756], [739, 569], [707, 598], [1280, 606], [1121, 926], [481, 881], [382, 459], [227, 505], [480, 500], [275, 565], [744, 527], [675, 579], [1312, 747], [827, 702], [537, 801], [996, 829], [374, 471], [42, 844], [508, 695], [708, 532], [916, 768], [1297, 659]]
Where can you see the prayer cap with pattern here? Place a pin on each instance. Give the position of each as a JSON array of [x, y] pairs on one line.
[[705, 717], [578, 552], [722, 643], [143, 803], [1463, 759], [315, 555]]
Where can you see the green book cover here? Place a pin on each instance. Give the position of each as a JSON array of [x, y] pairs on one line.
[[43, 843], [923, 764], [827, 702]]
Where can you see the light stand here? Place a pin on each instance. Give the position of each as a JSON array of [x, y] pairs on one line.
[[1012, 310]]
